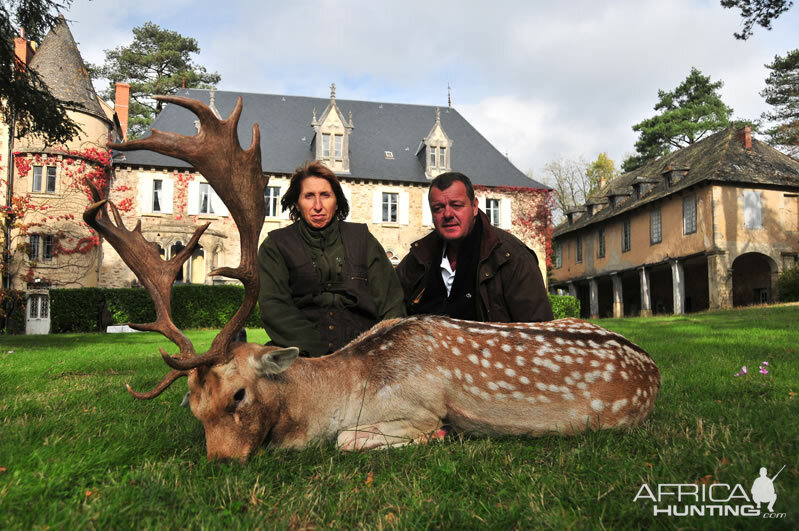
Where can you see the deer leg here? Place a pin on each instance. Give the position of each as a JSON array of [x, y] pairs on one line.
[[388, 435]]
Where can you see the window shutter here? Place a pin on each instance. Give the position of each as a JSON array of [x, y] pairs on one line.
[[145, 195], [377, 206], [348, 194], [193, 200], [753, 213], [427, 216], [216, 202], [167, 193], [403, 208], [505, 218]]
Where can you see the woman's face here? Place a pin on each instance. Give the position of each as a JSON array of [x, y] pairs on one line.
[[317, 202]]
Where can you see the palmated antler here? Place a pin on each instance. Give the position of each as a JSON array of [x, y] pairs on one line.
[[236, 177]]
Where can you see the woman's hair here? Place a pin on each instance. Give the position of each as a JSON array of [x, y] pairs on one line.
[[313, 169]]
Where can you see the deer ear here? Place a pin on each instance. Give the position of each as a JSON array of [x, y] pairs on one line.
[[270, 361]]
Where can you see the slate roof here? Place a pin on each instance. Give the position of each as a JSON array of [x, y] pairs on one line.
[[720, 157], [287, 135], [60, 65]]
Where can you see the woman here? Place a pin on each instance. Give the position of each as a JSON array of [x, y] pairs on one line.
[[323, 280]]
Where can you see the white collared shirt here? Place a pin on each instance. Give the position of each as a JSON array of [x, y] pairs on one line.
[[447, 273]]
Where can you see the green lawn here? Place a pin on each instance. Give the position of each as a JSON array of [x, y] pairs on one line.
[[77, 451]]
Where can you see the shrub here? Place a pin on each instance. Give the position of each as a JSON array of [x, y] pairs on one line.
[[788, 284], [76, 310], [12, 311], [564, 306]]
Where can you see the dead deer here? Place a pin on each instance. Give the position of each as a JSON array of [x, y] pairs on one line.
[[395, 384]]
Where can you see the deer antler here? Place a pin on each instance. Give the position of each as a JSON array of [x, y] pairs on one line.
[[236, 177]]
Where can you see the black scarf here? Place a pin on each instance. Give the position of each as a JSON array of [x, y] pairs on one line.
[[463, 297]]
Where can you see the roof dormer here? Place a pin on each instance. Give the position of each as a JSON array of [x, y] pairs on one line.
[[642, 185], [332, 136], [435, 151], [672, 176], [574, 213]]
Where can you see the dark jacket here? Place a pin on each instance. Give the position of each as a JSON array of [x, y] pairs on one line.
[[510, 284], [321, 288]]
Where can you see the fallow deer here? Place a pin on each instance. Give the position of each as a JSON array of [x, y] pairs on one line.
[[396, 383]]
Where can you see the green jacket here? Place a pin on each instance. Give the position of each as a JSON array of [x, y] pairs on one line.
[[285, 323]]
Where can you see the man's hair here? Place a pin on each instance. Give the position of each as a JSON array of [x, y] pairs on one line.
[[445, 180], [313, 169]]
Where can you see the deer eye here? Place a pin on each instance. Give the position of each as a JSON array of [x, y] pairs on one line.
[[239, 396]]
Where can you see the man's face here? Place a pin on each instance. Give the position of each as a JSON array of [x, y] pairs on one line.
[[317, 202], [453, 213]]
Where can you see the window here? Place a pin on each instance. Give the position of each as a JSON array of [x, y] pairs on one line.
[[601, 243], [625, 236], [390, 204], [655, 229], [433, 157], [753, 210], [338, 145], [157, 188], [689, 214], [205, 199], [271, 196], [38, 307], [558, 257], [33, 251], [43, 185], [47, 248], [326, 144], [442, 157], [492, 211], [579, 252]]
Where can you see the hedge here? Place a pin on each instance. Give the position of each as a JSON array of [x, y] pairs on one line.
[[564, 306], [193, 306], [788, 285]]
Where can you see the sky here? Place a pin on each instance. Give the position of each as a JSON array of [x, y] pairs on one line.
[[541, 80]]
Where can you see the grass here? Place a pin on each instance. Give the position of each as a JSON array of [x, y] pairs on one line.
[[76, 451]]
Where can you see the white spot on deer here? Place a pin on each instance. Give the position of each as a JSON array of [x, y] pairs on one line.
[[505, 385], [590, 377], [558, 357], [493, 386], [576, 351], [485, 363], [568, 396], [523, 335], [520, 361], [581, 385], [506, 348], [499, 365], [524, 379], [475, 390], [635, 400], [610, 367], [560, 341], [473, 359], [579, 361], [638, 392], [505, 333], [500, 396], [491, 342], [518, 395], [476, 330], [483, 375], [474, 343], [597, 405], [484, 395], [461, 340], [645, 393], [568, 380], [614, 343], [469, 378], [551, 366], [541, 386], [531, 399], [568, 359], [519, 348], [587, 394], [580, 342], [607, 376], [544, 399], [456, 351], [624, 375], [618, 404], [458, 374], [594, 363], [510, 372], [593, 344], [536, 370], [429, 348], [486, 352], [576, 375], [445, 344]]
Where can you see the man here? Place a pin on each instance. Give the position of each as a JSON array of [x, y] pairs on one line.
[[323, 281], [468, 269]]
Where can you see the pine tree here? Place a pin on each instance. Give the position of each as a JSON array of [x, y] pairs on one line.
[[157, 62], [782, 93]]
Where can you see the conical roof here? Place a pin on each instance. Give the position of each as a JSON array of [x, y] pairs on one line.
[[58, 62]]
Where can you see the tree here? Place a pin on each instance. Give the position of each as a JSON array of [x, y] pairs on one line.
[[568, 178], [761, 12], [600, 172], [157, 62], [782, 93], [686, 114], [25, 100]]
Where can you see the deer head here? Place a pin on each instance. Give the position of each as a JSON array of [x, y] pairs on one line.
[[236, 176]]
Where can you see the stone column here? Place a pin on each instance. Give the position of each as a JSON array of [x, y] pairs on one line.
[[593, 298], [618, 300], [719, 282], [646, 297], [678, 286], [572, 290]]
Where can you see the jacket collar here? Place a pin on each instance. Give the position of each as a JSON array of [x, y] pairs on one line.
[[428, 250]]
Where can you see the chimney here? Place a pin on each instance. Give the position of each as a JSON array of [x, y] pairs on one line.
[[121, 103], [745, 136], [23, 51]]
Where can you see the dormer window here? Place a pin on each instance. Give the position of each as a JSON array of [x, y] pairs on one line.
[[332, 132], [436, 150]]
